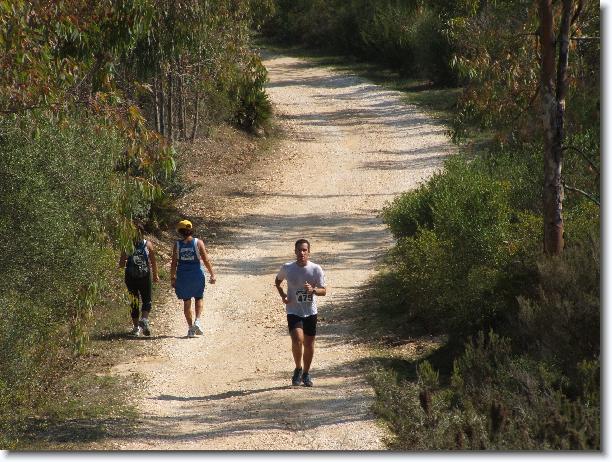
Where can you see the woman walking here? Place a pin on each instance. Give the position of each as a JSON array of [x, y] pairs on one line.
[[187, 274], [139, 266]]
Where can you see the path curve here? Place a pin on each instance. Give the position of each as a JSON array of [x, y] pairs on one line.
[[350, 146]]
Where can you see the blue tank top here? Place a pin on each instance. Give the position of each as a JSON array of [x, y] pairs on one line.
[[188, 253]]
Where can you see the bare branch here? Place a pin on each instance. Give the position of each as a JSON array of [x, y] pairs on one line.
[[583, 155], [580, 191], [586, 39]]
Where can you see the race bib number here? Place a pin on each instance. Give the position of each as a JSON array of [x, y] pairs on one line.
[[187, 254], [302, 296]]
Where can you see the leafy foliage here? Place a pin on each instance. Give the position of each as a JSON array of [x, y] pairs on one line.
[[57, 232], [83, 153], [409, 36], [497, 400]]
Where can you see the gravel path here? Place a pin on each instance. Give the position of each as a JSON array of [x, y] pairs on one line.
[[350, 146]]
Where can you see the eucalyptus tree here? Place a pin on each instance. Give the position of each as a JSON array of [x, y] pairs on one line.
[[514, 58], [557, 24], [193, 50]]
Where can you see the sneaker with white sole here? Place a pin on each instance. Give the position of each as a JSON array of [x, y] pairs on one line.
[[135, 331], [191, 332], [144, 325], [197, 327]]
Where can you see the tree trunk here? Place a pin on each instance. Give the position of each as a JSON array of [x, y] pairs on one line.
[[184, 111], [156, 102], [170, 114], [553, 112], [181, 108], [162, 106], [196, 116]]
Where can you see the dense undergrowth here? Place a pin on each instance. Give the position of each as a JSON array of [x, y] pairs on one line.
[[520, 367]]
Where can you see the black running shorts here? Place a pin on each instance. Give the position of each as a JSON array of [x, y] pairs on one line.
[[308, 324]]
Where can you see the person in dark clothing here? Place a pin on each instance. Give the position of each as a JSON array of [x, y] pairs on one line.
[[140, 273]]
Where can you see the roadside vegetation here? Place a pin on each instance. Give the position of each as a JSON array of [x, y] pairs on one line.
[[96, 100], [519, 363]]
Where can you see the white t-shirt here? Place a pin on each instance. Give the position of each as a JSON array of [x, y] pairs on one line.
[[300, 303]]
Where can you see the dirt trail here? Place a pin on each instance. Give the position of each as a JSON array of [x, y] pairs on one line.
[[350, 147]]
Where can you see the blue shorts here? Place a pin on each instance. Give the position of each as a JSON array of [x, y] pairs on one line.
[[190, 282]]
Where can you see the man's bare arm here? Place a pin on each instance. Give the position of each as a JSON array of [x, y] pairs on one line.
[[281, 292]]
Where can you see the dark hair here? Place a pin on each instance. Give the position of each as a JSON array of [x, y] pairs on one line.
[[299, 242], [140, 231], [185, 232]]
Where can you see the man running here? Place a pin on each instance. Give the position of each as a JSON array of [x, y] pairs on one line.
[[305, 282]]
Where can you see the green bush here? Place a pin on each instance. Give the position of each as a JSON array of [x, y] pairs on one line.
[[457, 240], [471, 210], [497, 400], [254, 108], [523, 398], [59, 202], [419, 265], [468, 259], [406, 36], [520, 167], [410, 211], [561, 321], [433, 49]]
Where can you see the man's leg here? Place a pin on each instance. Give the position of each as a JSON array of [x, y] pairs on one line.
[[144, 322], [309, 341], [310, 330], [297, 346]]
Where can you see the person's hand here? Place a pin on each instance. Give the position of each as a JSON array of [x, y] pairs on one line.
[[285, 299], [173, 282], [309, 288], [156, 278], [213, 279]]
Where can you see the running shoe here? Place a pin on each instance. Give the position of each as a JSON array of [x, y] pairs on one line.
[[307, 380], [191, 332], [135, 331], [144, 325], [197, 327], [297, 377]]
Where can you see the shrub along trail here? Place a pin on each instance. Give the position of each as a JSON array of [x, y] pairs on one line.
[[348, 147]]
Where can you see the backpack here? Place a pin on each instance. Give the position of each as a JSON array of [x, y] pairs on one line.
[[138, 263]]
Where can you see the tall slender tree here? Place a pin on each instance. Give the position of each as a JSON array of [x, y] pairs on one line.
[[553, 91]]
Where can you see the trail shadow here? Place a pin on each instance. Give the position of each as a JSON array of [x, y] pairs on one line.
[[106, 337], [76, 430], [233, 412], [360, 235], [377, 106], [220, 396], [413, 164]]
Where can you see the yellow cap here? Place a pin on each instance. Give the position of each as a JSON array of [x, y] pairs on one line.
[[184, 224]]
